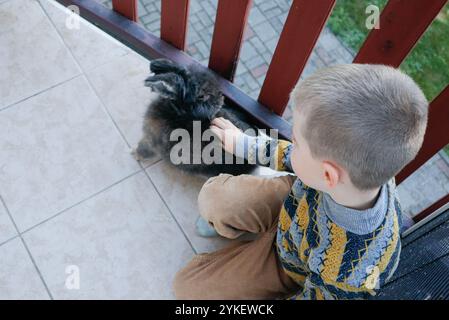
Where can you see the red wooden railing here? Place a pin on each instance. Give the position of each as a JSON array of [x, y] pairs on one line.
[[128, 8], [174, 14], [302, 28], [402, 24], [227, 38]]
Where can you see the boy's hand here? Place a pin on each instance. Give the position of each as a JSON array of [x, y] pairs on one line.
[[227, 132]]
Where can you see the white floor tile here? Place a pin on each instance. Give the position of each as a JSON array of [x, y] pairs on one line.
[[58, 148], [180, 192], [7, 230], [120, 85], [122, 243], [33, 56], [90, 46], [18, 277]]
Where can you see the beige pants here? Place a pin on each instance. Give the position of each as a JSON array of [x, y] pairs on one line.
[[244, 270]]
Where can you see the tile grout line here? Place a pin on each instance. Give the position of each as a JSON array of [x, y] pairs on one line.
[[82, 201], [9, 240], [171, 213], [119, 131], [105, 109], [39, 92], [81, 71], [117, 128], [19, 235], [1, 198], [143, 168]]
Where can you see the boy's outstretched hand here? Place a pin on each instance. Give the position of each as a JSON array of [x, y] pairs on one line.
[[227, 132]]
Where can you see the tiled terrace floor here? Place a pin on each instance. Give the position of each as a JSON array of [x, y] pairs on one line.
[[73, 201]]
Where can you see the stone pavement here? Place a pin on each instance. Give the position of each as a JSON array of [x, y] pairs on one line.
[[427, 185]]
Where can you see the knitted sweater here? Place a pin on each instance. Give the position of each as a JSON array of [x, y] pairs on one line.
[[332, 251]]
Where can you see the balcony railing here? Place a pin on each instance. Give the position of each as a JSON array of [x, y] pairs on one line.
[[403, 23]]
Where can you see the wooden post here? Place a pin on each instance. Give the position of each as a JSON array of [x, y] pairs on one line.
[[230, 24], [127, 8], [174, 15], [304, 23]]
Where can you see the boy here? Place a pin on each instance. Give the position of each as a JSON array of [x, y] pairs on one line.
[[332, 231]]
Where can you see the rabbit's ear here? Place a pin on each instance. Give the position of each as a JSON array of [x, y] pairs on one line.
[[181, 88], [164, 66], [169, 85]]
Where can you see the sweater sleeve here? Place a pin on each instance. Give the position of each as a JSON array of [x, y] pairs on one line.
[[317, 288], [265, 151]]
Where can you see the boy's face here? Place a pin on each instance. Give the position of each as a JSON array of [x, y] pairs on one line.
[[310, 171]]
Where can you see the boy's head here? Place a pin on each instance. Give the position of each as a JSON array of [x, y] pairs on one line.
[[356, 124]]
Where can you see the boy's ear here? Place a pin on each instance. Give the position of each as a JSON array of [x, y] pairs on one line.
[[332, 173]]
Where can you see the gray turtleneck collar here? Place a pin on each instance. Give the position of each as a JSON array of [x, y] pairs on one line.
[[358, 221]]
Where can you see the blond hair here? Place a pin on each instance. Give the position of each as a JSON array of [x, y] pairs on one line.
[[368, 118]]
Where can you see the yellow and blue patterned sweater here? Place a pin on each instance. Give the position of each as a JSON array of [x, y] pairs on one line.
[[332, 251]]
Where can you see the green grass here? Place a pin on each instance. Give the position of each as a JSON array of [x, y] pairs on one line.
[[446, 149], [428, 62]]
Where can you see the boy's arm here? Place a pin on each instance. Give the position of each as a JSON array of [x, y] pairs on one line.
[[265, 151], [261, 149]]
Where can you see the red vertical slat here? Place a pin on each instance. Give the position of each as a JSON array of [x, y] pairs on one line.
[[302, 28], [402, 22], [434, 207], [174, 15], [230, 24], [436, 136], [127, 8]]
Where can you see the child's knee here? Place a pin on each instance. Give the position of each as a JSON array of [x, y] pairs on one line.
[[213, 198]]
